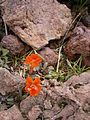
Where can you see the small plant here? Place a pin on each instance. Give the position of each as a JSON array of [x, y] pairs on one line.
[[4, 57], [75, 68]]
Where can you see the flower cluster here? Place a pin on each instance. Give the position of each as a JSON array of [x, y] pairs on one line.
[[33, 86], [33, 60]]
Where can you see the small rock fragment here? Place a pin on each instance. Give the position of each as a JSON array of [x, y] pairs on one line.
[[12, 113], [49, 55], [34, 113], [14, 45], [9, 83]]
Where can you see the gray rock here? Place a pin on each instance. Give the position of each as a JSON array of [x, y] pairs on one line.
[[38, 21], [9, 83], [12, 113]]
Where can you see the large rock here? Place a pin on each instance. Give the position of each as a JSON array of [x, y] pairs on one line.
[[36, 21], [12, 113], [14, 45], [79, 44], [9, 83]]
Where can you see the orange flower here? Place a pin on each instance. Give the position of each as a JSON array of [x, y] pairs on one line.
[[34, 60], [33, 86]]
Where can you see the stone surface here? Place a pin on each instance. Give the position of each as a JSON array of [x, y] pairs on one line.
[[79, 44], [12, 113], [34, 113], [81, 85], [70, 101], [9, 83], [86, 20], [49, 55], [14, 45], [27, 104], [38, 21]]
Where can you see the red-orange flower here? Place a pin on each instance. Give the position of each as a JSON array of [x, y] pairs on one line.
[[33, 86], [33, 60]]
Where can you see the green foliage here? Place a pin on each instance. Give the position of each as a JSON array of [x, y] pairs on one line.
[[75, 68], [4, 57], [67, 69]]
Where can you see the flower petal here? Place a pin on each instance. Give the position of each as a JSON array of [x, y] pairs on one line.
[[27, 89], [39, 87], [34, 60], [34, 91], [29, 81], [28, 59], [37, 81]]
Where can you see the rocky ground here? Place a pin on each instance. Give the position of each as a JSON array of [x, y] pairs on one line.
[[59, 31], [68, 101]]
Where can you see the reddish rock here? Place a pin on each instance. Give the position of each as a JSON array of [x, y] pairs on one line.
[[81, 85], [12, 113], [34, 113], [79, 44], [36, 27], [49, 55], [27, 104], [14, 44], [9, 83]]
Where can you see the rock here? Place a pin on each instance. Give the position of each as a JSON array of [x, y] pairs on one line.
[[51, 114], [77, 81], [34, 113], [27, 104], [47, 104], [81, 87], [36, 27], [3, 107], [9, 83], [80, 115], [12, 113], [79, 44], [64, 114], [14, 45], [86, 20], [49, 55]]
